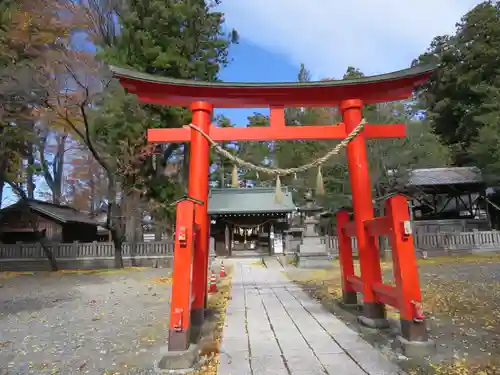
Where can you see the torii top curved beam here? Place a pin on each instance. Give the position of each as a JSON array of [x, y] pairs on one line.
[[388, 87]]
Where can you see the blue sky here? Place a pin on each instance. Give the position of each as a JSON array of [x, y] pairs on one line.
[[327, 36], [252, 63]]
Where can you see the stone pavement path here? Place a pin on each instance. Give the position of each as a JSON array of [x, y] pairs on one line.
[[273, 327]]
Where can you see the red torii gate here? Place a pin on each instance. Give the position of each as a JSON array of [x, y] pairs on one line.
[[349, 95]]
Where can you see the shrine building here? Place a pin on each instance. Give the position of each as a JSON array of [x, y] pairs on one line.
[[248, 221]]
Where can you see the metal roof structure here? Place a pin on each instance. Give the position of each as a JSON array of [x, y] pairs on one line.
[[248, 201], [453, 180], [445, 176], [58, 213]]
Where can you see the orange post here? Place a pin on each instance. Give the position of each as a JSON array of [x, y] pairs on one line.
[[373, 311], [180, 302], [413, 327], [199, 160], [349, 296]]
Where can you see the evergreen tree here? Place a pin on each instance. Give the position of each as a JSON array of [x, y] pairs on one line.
[[461, 97], [179, 39]]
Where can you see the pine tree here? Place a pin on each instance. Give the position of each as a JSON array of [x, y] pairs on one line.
[[179, 39]]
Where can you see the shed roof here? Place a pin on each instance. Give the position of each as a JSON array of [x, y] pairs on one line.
[[247, 201], [59, 213], [445, 176]]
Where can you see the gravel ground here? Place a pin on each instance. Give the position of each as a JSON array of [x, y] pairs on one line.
[[83, 323], [461, 300]]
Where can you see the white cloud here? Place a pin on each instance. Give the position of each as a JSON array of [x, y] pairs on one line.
[[376, 36]]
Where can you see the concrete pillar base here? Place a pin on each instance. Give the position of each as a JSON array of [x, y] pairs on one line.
[[378, 323], [178, 362], [417, 349]]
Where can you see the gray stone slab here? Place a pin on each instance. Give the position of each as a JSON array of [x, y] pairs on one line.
[[293, 347], [259, 348], [234, 328], [235, 345], [236, 316], [282, 323], [303, 361], [374, 362], [324, 345], [340, 364], [308, 372], [234, 364], [349, 342], [287, 333], [268, 366]]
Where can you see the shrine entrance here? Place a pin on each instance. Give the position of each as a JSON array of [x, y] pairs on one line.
[[245, 221], [188, 300]]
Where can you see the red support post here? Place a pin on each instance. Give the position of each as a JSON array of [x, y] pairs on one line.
[[413, 327], [349, 296], [199, 160], [180, 302], [373, 311]]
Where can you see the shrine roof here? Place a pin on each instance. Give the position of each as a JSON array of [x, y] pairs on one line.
[[59, 213], [180, 92], [445, 176], [447, 180], [248, 201]]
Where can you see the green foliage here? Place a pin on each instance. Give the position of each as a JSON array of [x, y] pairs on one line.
[[461, 98], [169, 38], [222, 167], [117, 126], [388, 159], [485, 150]]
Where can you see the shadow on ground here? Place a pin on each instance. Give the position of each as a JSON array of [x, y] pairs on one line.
[[460, 297]]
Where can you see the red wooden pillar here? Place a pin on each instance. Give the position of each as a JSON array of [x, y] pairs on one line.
[[413, 327], [199, 160], [180, 302], [349, 296], [363, 210]]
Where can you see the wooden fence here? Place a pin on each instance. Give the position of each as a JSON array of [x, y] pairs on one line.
[[31, 257], [439, 243], [477, 241], [85, 250]]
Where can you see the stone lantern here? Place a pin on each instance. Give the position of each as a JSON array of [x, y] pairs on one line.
[[312, 251]]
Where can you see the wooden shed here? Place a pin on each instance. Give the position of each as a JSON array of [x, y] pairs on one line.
[[27, 219]]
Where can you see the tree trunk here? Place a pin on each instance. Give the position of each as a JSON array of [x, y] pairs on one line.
[[133, 228], [40, 236], [58, 168], [117, 242], [185, 165], [50, 256], [114, 220], [30, 184], [2, 184], [158, 229], [383, 241]]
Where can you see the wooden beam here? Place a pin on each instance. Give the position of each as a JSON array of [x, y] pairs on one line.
[[278, 132]]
